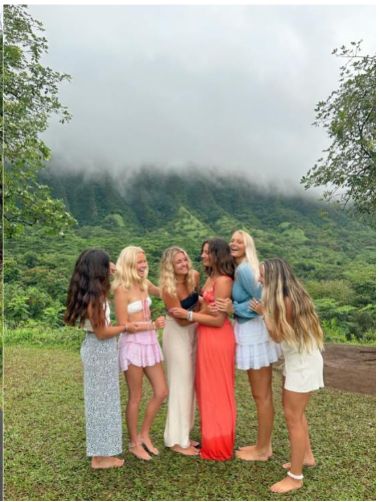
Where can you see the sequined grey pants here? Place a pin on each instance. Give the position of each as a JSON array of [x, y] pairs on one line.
[[101, 396]]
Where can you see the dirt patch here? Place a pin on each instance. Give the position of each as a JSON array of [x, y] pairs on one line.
[[350, 367]]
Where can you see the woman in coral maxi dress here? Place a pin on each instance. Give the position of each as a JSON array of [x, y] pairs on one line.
[[215, 356]]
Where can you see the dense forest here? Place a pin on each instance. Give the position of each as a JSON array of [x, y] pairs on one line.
[[332, 254]]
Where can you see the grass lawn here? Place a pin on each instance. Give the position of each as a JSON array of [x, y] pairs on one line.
[[45, 443]]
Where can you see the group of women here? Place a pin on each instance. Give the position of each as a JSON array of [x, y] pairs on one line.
[[273, 314]]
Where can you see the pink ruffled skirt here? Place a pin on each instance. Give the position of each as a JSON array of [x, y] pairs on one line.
[[141, 349]]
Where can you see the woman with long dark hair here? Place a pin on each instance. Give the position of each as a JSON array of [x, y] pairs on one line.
[[87, 304], [215, 355]]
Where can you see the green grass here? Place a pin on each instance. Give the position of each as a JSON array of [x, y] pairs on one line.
[[45, 443]]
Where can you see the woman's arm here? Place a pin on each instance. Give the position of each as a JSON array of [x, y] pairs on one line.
[[223, 289], [256, 306], [172, 302], [248, 281], [225, 305], [250, 288], [153, 290], [104, 332], [121, 301]]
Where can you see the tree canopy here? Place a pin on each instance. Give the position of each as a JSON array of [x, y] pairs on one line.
[[349, 114], [30, 97]]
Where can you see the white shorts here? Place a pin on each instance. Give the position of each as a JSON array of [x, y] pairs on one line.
[[303, 371]]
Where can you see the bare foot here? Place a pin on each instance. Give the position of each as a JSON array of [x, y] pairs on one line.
[[139, 451], [253, 453], [146, 441], [286, 485], [106, 462], [308, 462], [191, 450], [194, 443], [252, 449]]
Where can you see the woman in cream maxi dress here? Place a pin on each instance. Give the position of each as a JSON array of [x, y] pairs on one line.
[[178, 282]]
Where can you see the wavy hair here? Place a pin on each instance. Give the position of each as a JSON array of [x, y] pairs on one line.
[[251, 256], [126, 270], [89, 285], [281, 283], [207, 270], [222, 260], [167, 280]]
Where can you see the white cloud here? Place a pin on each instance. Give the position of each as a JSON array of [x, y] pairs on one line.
[[228, 86]]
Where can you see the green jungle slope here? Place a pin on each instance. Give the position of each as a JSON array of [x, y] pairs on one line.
[[333, 254]]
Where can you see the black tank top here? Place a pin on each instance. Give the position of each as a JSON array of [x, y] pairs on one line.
[[190, 302]]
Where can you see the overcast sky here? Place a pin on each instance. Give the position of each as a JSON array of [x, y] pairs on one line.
[[232, 87]]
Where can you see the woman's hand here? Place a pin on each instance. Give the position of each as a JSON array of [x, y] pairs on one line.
[[210, 309], [224, 305], [179, 312], [256, 306], [160, 322], [132, 327], [112, 269]]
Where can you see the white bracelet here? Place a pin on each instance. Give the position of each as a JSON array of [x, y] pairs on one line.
[[190, 316], [295, 476]]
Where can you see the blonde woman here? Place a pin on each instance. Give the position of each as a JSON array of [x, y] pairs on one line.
[[255, 351], [179, 284], [138, 353], [291, 319]]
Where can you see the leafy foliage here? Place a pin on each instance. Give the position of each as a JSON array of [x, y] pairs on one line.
[[349, 115], [334, 256], [30, 95]]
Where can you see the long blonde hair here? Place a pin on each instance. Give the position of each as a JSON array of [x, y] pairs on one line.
[[126, 270], [281, 283], [251, 256], [167, 280]]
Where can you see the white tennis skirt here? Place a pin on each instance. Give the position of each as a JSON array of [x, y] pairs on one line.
[[255, 349]]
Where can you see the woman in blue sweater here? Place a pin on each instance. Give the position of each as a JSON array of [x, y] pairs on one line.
[[255, 351]]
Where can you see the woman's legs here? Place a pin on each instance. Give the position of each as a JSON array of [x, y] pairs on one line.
[[133, 377], [157, 380], [294, 406], [309, 460], [260, 382]]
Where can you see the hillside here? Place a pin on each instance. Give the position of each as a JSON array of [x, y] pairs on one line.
[[333, 254], [151, 199]]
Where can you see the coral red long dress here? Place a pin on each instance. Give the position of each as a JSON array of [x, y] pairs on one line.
[[215, 387]]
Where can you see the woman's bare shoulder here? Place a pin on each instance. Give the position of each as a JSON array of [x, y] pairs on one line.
[[120, 291]]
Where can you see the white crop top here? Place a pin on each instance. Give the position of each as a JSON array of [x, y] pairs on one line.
[[137, 306], [87, 326]]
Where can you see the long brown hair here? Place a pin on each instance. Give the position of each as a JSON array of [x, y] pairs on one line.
[[89, 285], [222, 260], [281, 283]]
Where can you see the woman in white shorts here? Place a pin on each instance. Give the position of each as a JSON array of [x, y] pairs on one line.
[[291, 319]]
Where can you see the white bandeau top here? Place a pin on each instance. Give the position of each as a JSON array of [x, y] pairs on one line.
[[87, 323], [137, 306]]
